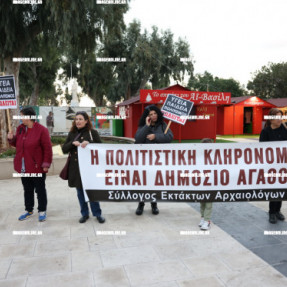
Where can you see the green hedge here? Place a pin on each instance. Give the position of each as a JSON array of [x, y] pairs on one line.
[[58, 140], [8, 153]]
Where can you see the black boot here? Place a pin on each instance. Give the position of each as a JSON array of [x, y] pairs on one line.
[[272, 218], [280, 216], [101, 219], [83, 219], [154, 208], [140, 208]]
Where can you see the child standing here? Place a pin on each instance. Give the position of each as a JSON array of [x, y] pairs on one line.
[[205, 207]]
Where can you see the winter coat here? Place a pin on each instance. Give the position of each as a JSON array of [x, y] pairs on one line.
[[269, 134], [158, 129], [35, 146], [74, 178]]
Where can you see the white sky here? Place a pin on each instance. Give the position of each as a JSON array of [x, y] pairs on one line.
[[228, 38]]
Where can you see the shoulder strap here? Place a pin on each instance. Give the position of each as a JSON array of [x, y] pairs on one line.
[[77, 136], [284, 125], [91, 136]]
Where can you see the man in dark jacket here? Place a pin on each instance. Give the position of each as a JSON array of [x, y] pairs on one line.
[[274, 130]]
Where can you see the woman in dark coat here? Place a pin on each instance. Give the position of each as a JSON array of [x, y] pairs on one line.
[[33, 159], [151, 130], [81, 134], [274, 130]]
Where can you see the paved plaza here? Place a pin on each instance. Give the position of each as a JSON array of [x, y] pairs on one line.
[[148, 251], [166, 250]]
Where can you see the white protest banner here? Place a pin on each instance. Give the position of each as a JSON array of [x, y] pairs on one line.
[[184, 172], [176, 109], [7, 93]]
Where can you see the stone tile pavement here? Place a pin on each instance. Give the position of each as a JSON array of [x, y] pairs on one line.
[[152, 253]]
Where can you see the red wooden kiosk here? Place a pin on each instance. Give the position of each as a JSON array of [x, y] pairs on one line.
[[245, 115], [205, 104]]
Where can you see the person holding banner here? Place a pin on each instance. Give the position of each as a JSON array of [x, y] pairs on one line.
[[151, 130], [33, 159], [205, 207], [81, 134], [274, 130]]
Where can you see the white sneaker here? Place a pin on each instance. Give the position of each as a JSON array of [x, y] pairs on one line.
[[205, 225], [201, 222]]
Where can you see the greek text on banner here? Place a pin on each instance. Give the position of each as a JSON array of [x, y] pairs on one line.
[[184, 172]]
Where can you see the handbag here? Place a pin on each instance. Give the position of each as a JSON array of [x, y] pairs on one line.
[[64, 174]]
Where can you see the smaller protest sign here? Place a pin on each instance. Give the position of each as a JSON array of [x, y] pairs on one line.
[[7, 93], [176, 109]]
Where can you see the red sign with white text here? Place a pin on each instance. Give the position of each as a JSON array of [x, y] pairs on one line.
[[159, 96]]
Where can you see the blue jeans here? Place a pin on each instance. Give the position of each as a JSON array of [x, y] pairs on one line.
[[95, 206]]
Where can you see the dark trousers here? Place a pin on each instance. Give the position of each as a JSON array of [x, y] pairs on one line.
[[150, 202], [274, 206], [31, 185], [95, 206]]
